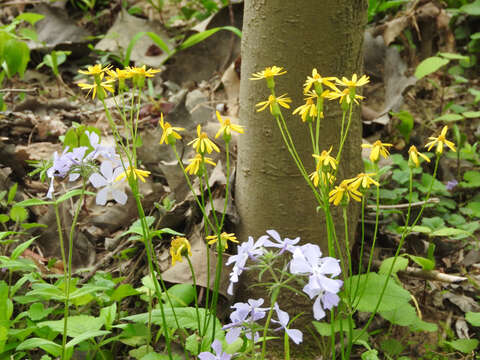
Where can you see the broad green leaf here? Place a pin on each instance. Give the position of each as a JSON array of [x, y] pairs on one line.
[[71, 194], [392, 347], [76, 326], [425, 263], [16, 56], [6, 305], [11, 193], [403, 316], [449, 118], [108, 314], [31, 18], [429, 66], [471, 9], [453, 56], [123, 291], [34, 202], [371, 354], [421, 229], [38, 312], [4, 218], [471, 114], [472, 179], [472, 209], [181, 295], [28, 33], [44, 344], [21, 248], [405, 126], [449, 232], [18, 214], [400, 264], [465, 346], [154, 356], [325, 329], [421, 325], [367, 288], [473, 318], [196, 38], [186, 316], [89, 334]]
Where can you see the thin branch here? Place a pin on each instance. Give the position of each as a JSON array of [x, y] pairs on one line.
[[432, 200], [18, 90]]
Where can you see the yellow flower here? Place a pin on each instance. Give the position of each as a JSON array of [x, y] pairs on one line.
[[353, 82], [178, 247], [273, 102], [307, 110], [95, 70], [202, 143], [227, 127], [120, 74], [169, 135], [194, 166], [318, 175], [362, 179], [224, 239], [317, 79], [378, 148], [345, 94], [414, 154], [141, 174], [99, 88], [269, 72], [344, 190], [142, 71], [440, 141], [324, 159]]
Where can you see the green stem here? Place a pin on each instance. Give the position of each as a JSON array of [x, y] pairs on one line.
[[267, 323], [195, 297]]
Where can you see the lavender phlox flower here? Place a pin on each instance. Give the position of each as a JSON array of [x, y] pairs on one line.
[[243, 317], [248, 249], [307, 260], [78, 159], [220, 355], [106, 181], [100, 150], [452, 184], [282, 244], [60, 168], [283, 320]]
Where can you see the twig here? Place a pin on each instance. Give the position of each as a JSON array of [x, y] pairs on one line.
[[18, 90], [432, 200], [431, 275]]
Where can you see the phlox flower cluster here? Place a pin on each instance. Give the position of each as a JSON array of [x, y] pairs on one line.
[[244, 321], [79, 162], [306, 260]]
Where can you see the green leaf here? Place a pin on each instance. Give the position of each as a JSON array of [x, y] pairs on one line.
[[325, 329], [371, 354], [11, 193], [155, 38], [76, 326], [123, 291], [28, 33], [425, 263], [473, 318], [400, 264], [108, 314], [199, 37], [421, 325], [453, 56], [21, 248], [367, 289], [71, 194], [89, 334], [465, 346], [44, 344], [449, 232], [4, 218], [472, 209], [449, 118], [31, 18], [403, 316], [392, 347], [38, 312], [429, 66], [16, 56], [18, 214], [405, 126], [181, 294], [471, 9], [472, 179], [471, 114], [34, 202]]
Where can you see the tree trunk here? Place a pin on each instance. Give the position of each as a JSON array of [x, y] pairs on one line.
[[270, 192]]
